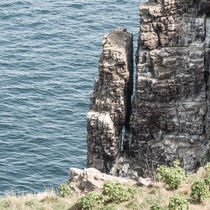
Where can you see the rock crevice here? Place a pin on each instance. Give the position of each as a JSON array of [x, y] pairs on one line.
[[110, 109], [170, 113]]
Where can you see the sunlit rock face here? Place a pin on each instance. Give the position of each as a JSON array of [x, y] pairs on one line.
[[110, 101], [170, 111]]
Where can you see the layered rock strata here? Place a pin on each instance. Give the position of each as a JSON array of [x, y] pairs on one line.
[[110, 101], [170, 116]]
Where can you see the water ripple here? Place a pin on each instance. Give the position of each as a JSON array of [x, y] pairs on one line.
[[48, 58]]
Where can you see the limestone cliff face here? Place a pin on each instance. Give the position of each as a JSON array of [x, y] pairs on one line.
[[111, 104], [170, 116]]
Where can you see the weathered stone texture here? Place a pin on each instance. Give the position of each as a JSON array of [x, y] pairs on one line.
[[207, 72], [90, 179], [111, 100], [170, 110], [170, 116]]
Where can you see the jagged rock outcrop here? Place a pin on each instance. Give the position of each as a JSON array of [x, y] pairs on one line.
[[170, 110], [170, 116], [91, 179], [111, 100]]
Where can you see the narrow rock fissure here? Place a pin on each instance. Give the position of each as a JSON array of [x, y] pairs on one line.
[[207, 75], [122, 141], [111, 101], [169, 111], [168, 116]]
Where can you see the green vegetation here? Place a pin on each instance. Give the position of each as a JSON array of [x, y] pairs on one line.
[[177, 202], [65, 190], [192, 194], [117, 192], [207, 179], [172, 176], [133, 206], [91, 200], [112, 193], [207, 167], [200, 191], [156, 207], [207, 176]]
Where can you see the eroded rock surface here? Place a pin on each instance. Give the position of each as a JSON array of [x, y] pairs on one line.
[[91, 179], [170, 110], [111, 100], [170, 116]]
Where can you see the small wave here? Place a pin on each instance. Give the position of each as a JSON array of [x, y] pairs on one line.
[[76, 6], [49, 58]]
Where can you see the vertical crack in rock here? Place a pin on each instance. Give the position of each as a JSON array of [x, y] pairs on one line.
[[170, 111], [170, 115], [110, 109], [207, 79]]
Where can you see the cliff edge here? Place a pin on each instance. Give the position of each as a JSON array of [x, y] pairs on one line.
[[169, 117]]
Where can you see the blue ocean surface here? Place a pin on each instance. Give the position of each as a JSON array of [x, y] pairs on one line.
[[49, 53]]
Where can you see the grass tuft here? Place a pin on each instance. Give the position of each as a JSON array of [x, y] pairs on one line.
[[119, 197]]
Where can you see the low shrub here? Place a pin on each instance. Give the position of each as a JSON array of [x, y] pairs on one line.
[[65, 190], [207, 180], [199, 191], [172, 176], [117, 192], [207, 167], [156, 207], [133, 206], [177, 202], [91, 200], [112, 192]]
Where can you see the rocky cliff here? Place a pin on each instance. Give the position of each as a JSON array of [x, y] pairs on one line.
[[170, 113], [111, 100]]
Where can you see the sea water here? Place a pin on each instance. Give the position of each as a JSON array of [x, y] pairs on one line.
[[49, 53]]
